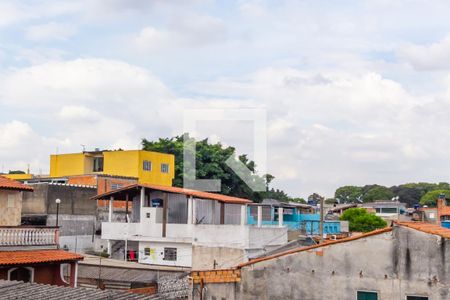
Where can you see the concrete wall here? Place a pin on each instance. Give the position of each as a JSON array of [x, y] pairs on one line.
[[10, 207], [75, 200], [394, 264], [207, 258]]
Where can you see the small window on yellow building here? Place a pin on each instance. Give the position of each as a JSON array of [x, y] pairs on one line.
[[164, 168], [147, 166]]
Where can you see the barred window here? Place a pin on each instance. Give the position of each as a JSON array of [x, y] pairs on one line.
[[164, 168], [147, 165], [170, 254]]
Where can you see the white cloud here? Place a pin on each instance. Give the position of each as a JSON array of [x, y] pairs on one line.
[[182, 31], [98, 103], [427, 57], [50, 31]]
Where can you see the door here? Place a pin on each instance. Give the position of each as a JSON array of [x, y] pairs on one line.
[[363, 295]]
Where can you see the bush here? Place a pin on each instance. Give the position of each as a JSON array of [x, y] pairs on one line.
[[360, 220]]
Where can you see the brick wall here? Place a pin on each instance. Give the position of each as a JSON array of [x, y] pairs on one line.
[[216, 276]]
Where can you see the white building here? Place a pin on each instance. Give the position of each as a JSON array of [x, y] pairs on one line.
[[186, 228], [389, 210]]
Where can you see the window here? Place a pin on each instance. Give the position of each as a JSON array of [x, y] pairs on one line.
[[24, 274], [389, 210], [164, 168], [363, 295], [115, 186], [170, 254], [147, 165], [416, 298], [147, 251], [98, 164]]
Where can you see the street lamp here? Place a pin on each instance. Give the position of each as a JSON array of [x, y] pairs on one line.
[[57, 201]]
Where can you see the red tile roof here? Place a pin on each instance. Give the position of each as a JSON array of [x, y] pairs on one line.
[[10, 184], [427, 228], [177, 190], [36, 256]]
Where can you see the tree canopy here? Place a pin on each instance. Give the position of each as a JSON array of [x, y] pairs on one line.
[[362, 221], [431, 197], [210, 164], [409, 193], [348, 193], [378, 192]]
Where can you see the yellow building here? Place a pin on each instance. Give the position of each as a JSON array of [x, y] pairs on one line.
[[18, 176], [146, 166]]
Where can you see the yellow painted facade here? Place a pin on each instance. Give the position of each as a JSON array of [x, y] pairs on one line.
[[119, 163], [18, 176]]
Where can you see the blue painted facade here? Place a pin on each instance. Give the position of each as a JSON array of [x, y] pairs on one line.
[[295, 220], [445, 224]]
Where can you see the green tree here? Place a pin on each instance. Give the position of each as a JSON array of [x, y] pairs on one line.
[[210, 164], [330, 201], [315, 197], [362, 221], [431, 197], [298, 200], [16, 172], [377, 192], [348, 193]]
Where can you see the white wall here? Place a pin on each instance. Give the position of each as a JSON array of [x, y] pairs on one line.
[[156, 257], [145, 231], [237, 236]]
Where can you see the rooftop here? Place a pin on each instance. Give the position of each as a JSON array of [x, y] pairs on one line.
[[36, 256], [10, 184], [327, 243], [383, 203], [119, 193], [424, 227], [29, 291], [427, 228]]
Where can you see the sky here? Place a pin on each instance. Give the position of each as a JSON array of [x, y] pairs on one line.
[[356, 92]]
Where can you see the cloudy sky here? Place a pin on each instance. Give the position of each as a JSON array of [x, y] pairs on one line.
[[356, 92]]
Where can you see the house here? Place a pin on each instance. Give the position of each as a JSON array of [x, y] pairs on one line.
[[388, 210], [296, 216], [182, 227], [77, 213], [143, 166], [408, 261], [443, 211], [30, 253]]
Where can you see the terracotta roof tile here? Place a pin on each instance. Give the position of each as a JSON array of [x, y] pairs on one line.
[[36, 256], [10, 184], [427, 228], [177, 190]]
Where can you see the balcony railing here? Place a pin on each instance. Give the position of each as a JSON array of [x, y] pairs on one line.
[[28, 236]]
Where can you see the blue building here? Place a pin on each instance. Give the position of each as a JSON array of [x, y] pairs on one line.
[[296, 216]]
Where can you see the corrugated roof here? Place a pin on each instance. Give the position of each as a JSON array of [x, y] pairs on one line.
[[176, 190], [36, 256], [31, 291], [10, 184], [427, 228]]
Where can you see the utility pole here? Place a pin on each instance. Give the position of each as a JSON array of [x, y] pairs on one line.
[[321, 219]]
